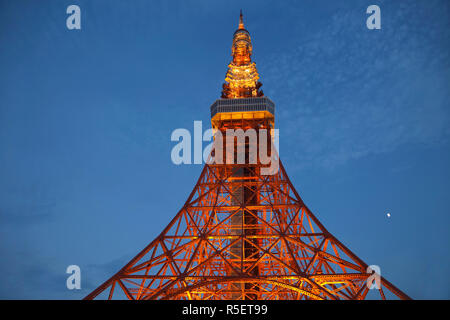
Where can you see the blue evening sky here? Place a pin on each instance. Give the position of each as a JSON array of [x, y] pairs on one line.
[[86, 117]]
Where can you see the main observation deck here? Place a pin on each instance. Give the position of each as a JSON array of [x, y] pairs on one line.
[[243, 108]]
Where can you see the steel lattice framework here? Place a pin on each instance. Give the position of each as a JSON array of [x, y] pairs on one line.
[[296, 257], [242, 234]]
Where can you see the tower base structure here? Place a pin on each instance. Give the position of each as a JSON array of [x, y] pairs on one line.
[[294, 255]]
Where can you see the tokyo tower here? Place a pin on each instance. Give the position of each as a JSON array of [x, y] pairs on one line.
[[244, 232]]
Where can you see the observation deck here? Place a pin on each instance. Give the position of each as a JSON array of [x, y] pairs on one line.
[[253, 108]]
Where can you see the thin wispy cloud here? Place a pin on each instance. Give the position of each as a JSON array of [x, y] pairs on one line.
[[19, 208], [346, 92], [27, 272]]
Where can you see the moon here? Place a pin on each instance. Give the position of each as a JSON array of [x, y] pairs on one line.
[[388, 215]]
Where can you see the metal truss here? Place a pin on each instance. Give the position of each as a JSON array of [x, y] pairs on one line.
[[259, 243], [241, 234]]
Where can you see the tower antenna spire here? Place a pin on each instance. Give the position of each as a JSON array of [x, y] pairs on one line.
[[241, 21], [241, 80]]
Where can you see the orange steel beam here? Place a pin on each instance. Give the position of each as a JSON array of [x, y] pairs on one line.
[[191, 258]]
